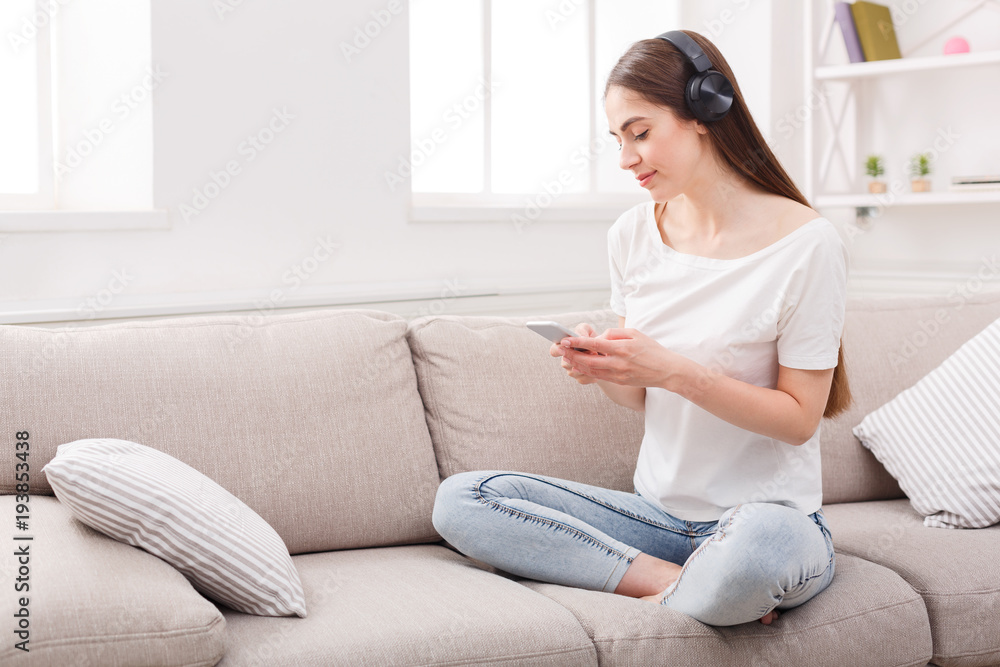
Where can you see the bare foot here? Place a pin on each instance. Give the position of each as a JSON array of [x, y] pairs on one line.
[[647, 574]]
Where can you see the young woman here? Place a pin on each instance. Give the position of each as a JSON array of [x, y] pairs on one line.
[[730, 292]]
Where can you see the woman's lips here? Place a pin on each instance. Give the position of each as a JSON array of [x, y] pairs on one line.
[[645, 178]]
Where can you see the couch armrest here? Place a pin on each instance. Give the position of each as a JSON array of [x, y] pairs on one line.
[[77, 597]]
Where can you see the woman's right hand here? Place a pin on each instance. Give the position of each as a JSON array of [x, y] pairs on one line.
[[583, 329]]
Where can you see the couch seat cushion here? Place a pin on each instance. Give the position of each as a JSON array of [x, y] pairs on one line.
[[867, 616], [496, 400], [956, 571], [95, 601], [408, 605]]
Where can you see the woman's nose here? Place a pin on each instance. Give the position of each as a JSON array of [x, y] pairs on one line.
[[627, 158]]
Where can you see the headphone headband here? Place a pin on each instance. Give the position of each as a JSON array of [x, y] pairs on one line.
[[689, 48], [708, 93]]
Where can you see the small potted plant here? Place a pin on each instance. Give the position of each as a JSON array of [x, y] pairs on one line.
[[920, 166], [875, 167]]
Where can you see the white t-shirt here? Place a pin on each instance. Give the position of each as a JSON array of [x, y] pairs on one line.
[[741, 317]]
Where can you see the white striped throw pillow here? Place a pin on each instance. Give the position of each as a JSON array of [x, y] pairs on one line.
[[143, 497], [940, 438]]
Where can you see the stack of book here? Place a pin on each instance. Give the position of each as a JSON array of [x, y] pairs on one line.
[[868, 31], [974, 183]]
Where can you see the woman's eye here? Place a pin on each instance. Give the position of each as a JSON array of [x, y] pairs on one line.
[[640, 137]]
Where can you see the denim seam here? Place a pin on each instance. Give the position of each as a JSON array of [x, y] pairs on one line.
[[555, 524], [718, 537], [820, 574], [721, 534], [620, 510], [628, 563]]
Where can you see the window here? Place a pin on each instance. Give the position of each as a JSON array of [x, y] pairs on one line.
[[506, 109], [26, 176], [76, 124]]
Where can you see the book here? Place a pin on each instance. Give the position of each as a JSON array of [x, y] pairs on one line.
[[842, 12], [876, 33], [975, 187], [960, 180], [975, 183]]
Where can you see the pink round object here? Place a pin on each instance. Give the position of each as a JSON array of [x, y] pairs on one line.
[[956, 45]]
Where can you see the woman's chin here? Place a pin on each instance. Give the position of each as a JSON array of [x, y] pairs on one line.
[[659, 195]]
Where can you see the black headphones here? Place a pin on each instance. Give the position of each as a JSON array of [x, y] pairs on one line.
[[708, 93]]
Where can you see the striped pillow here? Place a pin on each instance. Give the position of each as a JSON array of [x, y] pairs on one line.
[[940, 438], [143, 497]]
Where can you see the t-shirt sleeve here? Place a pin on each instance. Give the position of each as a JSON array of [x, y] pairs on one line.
[[812, 319], [614, 263]]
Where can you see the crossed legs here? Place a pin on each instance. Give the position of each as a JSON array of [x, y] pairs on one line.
[[756, 558]]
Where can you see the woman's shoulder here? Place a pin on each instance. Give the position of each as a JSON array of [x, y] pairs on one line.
[[783, 216], [630, 221], [790, 214], [818, 247], [635, 214]]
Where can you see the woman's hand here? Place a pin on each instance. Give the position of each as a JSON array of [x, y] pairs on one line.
[[622, 356], [556, 350]]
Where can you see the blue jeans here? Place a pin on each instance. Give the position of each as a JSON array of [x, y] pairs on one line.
[[755, 558]]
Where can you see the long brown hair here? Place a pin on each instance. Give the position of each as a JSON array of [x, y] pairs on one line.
[[656, 71]]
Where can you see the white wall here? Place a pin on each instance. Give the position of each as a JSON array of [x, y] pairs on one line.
[[322, 177]]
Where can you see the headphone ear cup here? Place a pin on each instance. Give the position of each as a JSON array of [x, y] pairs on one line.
[[709, 95]]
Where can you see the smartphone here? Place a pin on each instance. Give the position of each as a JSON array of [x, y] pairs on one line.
[[554, 331]]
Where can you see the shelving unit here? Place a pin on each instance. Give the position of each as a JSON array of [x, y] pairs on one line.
[[881, 67], [867, 200], [819, 75]]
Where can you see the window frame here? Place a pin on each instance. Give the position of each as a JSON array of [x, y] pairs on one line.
[[39, 211], [523, 209], [45, 198]]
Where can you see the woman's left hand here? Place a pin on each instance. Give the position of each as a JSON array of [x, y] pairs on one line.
[[625, 356]]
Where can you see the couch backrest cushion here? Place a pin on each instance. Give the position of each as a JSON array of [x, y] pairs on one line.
[[313, 419], [496, 400], [889, 344]]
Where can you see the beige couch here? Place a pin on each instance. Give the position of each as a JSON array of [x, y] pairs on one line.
[[337, 426]]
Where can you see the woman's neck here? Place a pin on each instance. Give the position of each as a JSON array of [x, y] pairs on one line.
[[708, 211]]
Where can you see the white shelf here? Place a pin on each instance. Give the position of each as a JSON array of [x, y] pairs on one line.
[[880, 67], [906, 199]]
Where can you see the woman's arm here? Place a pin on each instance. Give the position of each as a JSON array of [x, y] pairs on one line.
[[627, 396], [791, 412], [630, 397]]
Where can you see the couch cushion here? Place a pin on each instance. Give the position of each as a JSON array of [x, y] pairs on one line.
[[867, 616], [140, 496], [956, 571], [294, 414], [889, 344], [496, 400], [940, 438], [95, 601], [410, 605]]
